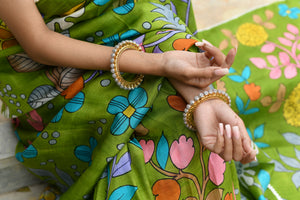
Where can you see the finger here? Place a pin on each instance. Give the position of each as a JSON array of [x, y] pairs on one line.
[[206, 78], [206, 81], [228, 143], [218, 147], [212, 51], [237, 144], [250, 157], [221, 72], [209, 72], [229, 59], [247, 144], [202, 45]]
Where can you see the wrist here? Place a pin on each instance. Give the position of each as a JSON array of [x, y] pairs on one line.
[[133, 61], [202, 98]]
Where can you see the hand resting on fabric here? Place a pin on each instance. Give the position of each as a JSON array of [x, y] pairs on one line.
[[222, 131]]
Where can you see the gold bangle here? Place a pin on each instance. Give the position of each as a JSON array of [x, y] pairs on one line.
[[117, 51], [190, 108]]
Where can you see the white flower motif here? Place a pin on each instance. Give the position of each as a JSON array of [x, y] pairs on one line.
[[63, 23], [243, 173]]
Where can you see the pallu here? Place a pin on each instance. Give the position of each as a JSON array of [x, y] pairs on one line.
[[265, 91], [90, 139]]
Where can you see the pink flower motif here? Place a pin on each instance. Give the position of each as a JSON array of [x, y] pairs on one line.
[[216, 168], [292, 29], [182, 152], [35, 120], [290, 36], [290, 71], [284, 58], [259, 62], [275, 73], [285, 41], [148, 148], [268, 48], [273, 60]]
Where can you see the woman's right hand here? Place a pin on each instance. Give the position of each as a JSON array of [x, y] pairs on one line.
[[197, 69]]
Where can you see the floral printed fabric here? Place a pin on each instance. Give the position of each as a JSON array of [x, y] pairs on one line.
[[264, 86], [88, 138]]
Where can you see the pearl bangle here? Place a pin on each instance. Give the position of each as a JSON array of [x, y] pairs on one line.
[[117, 51], [190, 108]]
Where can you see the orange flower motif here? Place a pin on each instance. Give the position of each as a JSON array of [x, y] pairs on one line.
[[166, 189], [7, 39], [228, 196], [176, 102], [183, 44], [73, 89], [253, 91]]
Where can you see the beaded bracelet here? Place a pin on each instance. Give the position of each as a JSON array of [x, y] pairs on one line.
[[117, 51], [190, 108]]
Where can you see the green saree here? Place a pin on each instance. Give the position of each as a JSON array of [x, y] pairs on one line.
[[88, 138]]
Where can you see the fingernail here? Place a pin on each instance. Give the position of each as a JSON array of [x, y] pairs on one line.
[[221, 72], [255, 158], [236, 132], [228, 130], [221, 126], [199, 44], [207, 42]]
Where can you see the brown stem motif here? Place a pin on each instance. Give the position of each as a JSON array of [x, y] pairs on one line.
[[181, 174], [205, 178], [192, 177]]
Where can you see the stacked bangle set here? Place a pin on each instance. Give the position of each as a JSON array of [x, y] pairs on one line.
[[117, 51]]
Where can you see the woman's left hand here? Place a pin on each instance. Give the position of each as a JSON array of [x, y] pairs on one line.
[[222, 131]]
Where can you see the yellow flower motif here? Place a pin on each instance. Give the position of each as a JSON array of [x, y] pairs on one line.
[[49, 194], [291, 109], [250, 34]]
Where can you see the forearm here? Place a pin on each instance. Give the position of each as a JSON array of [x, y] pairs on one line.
[[65, 51], [51, 48]]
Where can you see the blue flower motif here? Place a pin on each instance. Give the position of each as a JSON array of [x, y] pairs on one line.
[[125, 9], [29, 152], [129, 111], [101, 2], [84, 152], [72, 106], [258, 133], [264, 179], [284, 11]]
